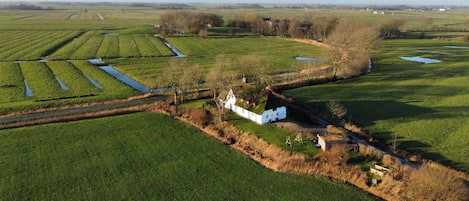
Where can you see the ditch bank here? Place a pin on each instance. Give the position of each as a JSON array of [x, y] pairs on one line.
[[275, 158], [394, 185]]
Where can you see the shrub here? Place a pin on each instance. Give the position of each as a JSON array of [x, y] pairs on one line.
[[429, 183], [200, 116], [387, 159]]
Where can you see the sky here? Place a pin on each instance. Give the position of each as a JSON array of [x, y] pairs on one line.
[[366, 2]]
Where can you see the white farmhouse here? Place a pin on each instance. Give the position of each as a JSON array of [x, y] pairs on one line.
[[269, 115]]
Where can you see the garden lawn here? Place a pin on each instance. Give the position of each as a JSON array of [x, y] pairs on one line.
[[272, 134], [142, 156], [425, 105]]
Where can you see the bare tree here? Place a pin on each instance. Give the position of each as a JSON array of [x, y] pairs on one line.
[[283, 27], [425, 23], [353, 43], [190, 78], [220, 79], [323, 25], [390, 27], [255, 68], [170, 76], [293, 28]]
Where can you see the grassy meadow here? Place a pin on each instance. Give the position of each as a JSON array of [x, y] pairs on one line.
[[425, 105], [142, 156]]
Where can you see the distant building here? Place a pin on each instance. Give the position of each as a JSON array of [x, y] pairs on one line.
[[270, 114]]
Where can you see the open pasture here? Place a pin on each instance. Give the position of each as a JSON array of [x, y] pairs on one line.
[[425, 105], [112, 44], [31, 45], [279, 52], [142, 156], [80, 77]]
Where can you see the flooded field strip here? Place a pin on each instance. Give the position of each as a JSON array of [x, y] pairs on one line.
[[73, 16], [29, 92], [421, 60], [127, 80], [62, 85], [178, 53], [456, 47], [96, 84]]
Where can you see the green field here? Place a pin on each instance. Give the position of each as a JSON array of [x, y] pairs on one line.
[[143, 156], [41, 79], [426, 105], [280, 54]]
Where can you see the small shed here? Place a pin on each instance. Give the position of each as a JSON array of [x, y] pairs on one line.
[[329, 140]]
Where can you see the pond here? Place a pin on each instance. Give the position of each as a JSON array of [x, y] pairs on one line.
[[123, 78], [456, 47], [432, 52], [307, 59], [421, 60], [73, 16], [111, 34]]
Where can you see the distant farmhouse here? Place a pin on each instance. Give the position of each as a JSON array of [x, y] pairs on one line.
[[269, 114]]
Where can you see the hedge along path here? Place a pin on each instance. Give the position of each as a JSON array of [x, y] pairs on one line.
[[42, 81], [128, 47], [73, 78], [111, 86], [11, 83], [69, 49], [109, 47]]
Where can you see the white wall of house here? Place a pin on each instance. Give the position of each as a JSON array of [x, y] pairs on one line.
[[266, 117]]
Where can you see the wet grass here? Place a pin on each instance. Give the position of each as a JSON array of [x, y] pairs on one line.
[[426, 105], [143, 156]]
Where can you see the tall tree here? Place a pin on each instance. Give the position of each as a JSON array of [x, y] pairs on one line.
[[255, 68], [170, 76], [353, 42], [283, 27], [191, 77], [220, 79], [390, 27], [323, 26], [293, 28], [425, 23]]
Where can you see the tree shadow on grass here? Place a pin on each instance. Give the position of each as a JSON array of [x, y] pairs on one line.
[[374, 110], [419, 148]]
